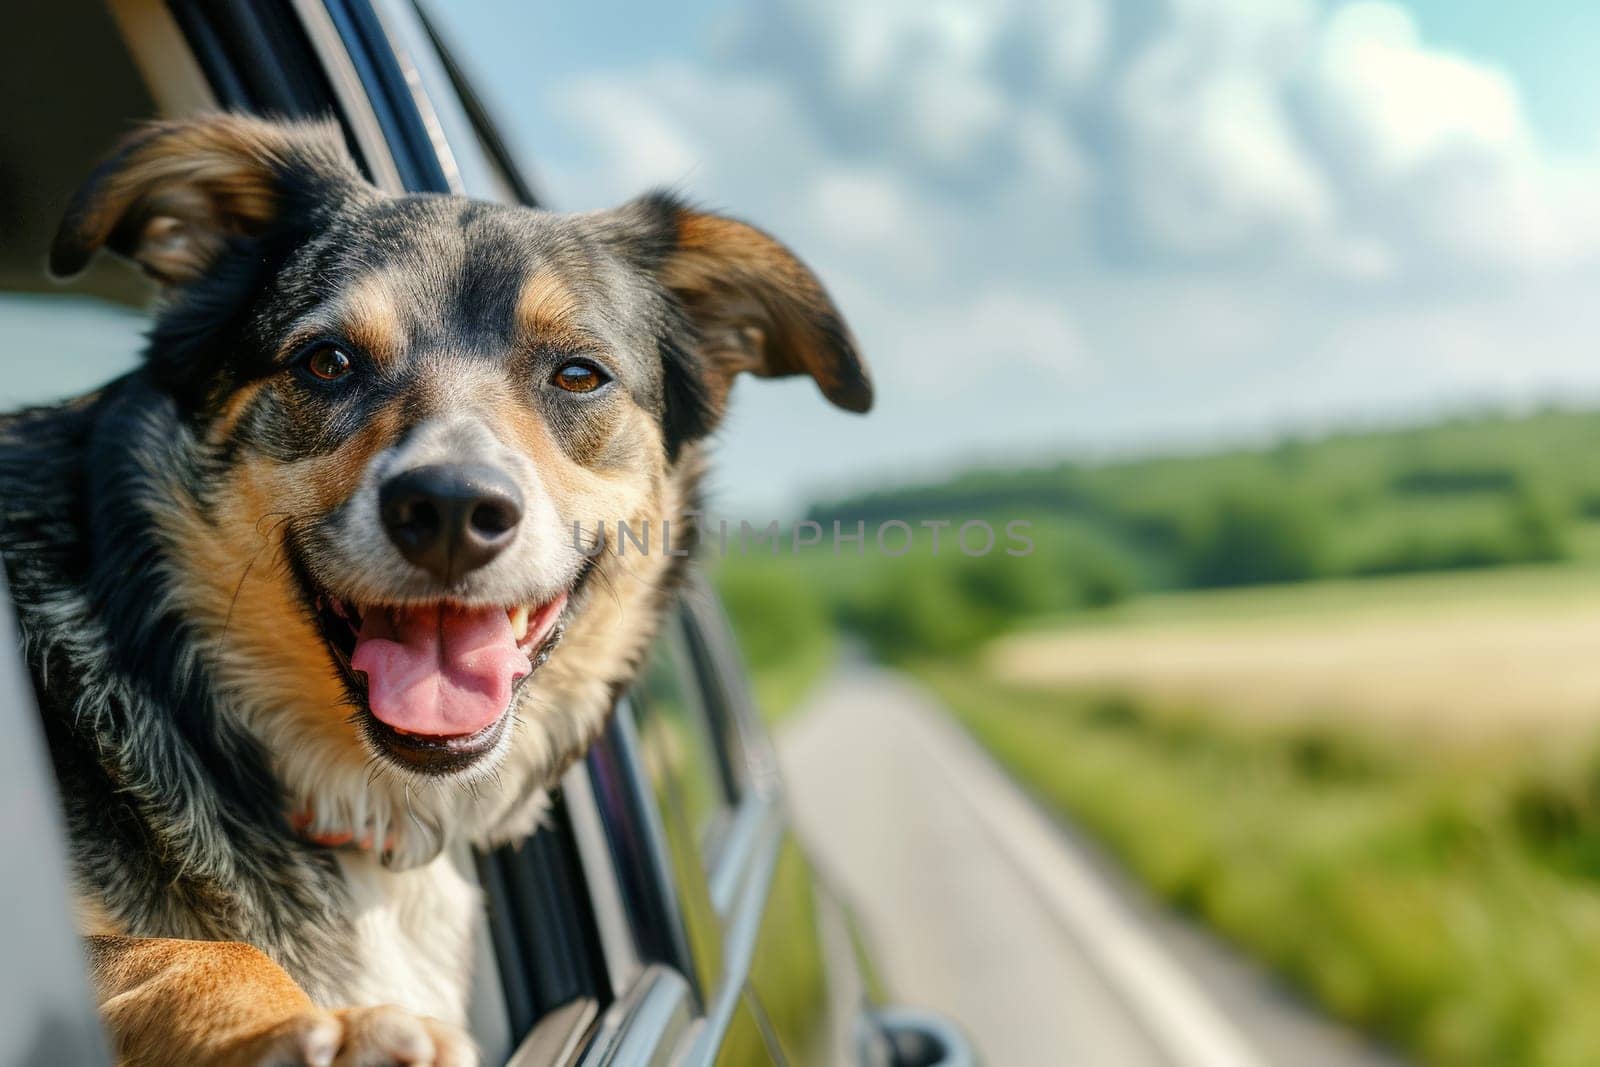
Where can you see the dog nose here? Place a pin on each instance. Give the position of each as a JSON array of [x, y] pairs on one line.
[[450, 519]]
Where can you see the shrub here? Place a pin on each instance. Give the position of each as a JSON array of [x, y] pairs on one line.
[[917, 608], [1537, 523], [1246, 537], [1099, 575], [1528, 525]]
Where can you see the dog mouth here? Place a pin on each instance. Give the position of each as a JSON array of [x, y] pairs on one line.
[[435, 681]]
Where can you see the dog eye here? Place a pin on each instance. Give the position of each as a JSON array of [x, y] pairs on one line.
[[579, 376], [327, 362]]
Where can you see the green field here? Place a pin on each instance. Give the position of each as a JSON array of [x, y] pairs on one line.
[[1509, 587]]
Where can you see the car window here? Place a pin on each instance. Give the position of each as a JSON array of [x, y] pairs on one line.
[[746, 753], [679, 739], [62, 341]]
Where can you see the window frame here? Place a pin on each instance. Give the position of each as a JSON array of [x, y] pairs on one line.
[[243, 50], [740, 881], [748, 749]]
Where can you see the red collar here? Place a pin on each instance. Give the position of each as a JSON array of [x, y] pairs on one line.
[[303, 820]]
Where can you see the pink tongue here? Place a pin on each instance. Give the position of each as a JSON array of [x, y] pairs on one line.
[[439, 671]]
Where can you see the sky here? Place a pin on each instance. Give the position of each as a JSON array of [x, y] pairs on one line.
[[1092, 227], [1087, 228]]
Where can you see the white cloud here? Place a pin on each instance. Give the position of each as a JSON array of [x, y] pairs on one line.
[[1018, 138], [1182, 214], [1049, 159], [675, 124], [1435, 149], [1215, 165], [637, 144], [865, 207], [951, 113], [1398, 104], [993, 335]]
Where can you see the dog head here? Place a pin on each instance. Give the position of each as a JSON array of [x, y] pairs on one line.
[[404, 421]]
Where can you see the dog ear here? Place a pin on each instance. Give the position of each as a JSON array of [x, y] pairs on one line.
[[175, 194], [753, 305]]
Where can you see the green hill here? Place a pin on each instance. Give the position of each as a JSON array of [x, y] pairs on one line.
[[1467, 492]]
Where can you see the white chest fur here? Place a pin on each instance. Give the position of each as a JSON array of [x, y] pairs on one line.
[[413, 933]]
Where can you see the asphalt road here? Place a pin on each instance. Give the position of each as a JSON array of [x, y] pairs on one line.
[[981, 907]]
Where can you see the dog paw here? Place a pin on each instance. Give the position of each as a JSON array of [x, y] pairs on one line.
[[361, 1037]]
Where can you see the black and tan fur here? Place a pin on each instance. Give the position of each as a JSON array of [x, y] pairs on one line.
[[166, 539]]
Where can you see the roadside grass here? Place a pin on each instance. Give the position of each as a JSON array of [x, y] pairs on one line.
[[1430, 883], [1447, 904]]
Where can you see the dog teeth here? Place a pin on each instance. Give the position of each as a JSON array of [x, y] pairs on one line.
[[519, 621]]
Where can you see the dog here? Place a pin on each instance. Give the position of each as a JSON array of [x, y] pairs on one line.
[[303, 596]]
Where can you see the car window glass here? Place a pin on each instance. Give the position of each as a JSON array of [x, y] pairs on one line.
[[732, 711], [677, 736], [58, 340], [676, 755]]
